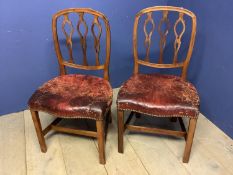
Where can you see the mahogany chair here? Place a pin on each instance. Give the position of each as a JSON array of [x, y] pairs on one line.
[[160, 95], [76, 96]]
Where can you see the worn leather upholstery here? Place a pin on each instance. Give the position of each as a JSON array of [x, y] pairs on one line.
[[159, 95], [73, 96]]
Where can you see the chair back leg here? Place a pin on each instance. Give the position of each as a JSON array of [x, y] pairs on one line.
[[120, 118], [110, 116], [40, 135]]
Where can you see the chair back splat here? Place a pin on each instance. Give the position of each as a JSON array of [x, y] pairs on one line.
[[80, 28], [164, 27]]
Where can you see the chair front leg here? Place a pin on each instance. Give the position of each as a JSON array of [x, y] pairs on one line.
[[40, 135], [189, 141], [120, 118], [101, 142]]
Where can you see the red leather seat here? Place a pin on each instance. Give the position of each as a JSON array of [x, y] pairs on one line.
[[159, 95], [73, 96]]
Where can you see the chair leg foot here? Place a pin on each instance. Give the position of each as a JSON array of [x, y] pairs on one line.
[[40, 135], [120, 117], [101, 140], [189, 141]]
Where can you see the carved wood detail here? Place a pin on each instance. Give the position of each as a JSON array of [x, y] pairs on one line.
[[148, 35], [82, 29], [83, 37], [96, 38], [66, 21], [163, 34], [178, 36]]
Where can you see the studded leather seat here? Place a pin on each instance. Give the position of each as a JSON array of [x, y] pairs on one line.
[[73, 96], [159, 95]]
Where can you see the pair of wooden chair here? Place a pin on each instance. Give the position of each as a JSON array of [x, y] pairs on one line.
[[79, 96]]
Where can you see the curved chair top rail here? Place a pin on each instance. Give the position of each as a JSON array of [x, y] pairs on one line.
[[82, 35], [169, 8], [163, 35], [80, 10]]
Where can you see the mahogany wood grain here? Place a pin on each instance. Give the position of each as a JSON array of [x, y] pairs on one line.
[[74, 131], [120, 117], [39, 132], [155, 130], [189, 141], [101, 141]]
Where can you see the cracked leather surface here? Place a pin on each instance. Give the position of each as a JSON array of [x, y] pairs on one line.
[[73, 96], [159, 95]]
